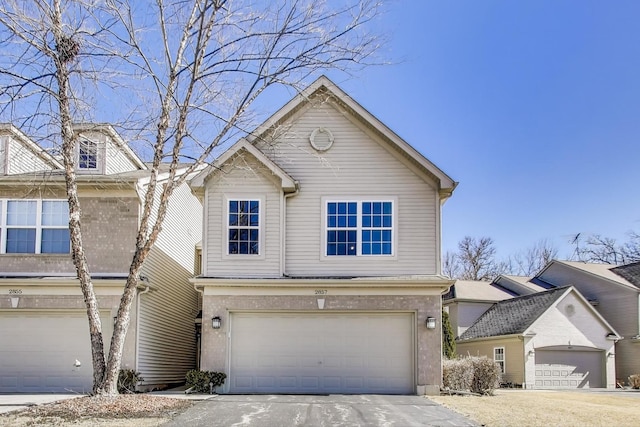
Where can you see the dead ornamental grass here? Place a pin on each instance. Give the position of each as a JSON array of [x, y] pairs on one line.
[[546, 408]]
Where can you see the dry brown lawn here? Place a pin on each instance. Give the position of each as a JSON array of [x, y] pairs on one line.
[[547, 408]]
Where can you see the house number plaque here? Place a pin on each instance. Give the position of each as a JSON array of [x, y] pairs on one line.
[[321, 292]]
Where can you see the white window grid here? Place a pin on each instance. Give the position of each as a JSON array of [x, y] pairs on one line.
[[499, 357]]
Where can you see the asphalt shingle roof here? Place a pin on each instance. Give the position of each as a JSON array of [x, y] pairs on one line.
[[630, 272], [512, 316]]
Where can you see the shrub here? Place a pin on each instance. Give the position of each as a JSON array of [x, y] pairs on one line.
[[477, 374], [448, 338], [486, 375], [128, 379], [200, 380], [457, 374], [634, 381]]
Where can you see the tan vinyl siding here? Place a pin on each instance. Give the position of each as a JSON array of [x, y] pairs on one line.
[[514, 355], [356, 166], [242, 177], [167, 346], [20, 159]]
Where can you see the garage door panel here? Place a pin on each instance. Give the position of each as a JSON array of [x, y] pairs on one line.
[[38, 352], [321, 353], [568, 369]]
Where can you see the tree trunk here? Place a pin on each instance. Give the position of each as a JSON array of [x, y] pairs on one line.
[[68, 152]]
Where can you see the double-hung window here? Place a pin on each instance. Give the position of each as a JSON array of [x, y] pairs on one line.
[[498, 357], [34, 226], [87, 155], [244, 227], [359, 228]]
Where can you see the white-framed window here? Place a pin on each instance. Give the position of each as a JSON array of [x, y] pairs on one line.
[[88, 155], [498, 357], [34, 226], [243, 226], [359, 228]]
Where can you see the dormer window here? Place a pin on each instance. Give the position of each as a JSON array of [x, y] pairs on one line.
[[88, 155]]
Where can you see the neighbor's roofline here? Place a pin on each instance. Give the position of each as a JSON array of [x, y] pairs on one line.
[[31, 145]]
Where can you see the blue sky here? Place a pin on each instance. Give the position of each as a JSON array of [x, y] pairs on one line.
[[533, 106]]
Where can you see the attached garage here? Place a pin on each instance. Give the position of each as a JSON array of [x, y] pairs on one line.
[[558, 369], [38, 351], [298, 352]]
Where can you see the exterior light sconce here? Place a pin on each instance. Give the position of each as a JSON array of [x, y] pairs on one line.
[[531, 353], [431, 322], [216, 322]]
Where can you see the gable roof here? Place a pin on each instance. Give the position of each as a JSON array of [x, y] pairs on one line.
[[603, 271], [288, 183], [108, 130], [629, 272], [513, 316], [26, 142], [517, 285], [326, 87], [475, 290]]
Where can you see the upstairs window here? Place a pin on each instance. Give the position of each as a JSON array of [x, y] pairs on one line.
[[87, 155], [35, 226], [359, 228], [244, 227]]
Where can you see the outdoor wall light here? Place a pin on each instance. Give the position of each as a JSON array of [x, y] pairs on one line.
[[431, 322], [216, 322]]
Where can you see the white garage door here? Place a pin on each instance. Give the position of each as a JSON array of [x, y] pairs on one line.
[[568, 369], [38, 352], [322, 353]]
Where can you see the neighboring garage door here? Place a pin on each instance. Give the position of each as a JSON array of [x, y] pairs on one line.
[[568, 369], [38, 352], [322, 353]]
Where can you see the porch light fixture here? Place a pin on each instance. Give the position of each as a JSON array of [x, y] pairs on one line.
[[431, 322], [216, 322]]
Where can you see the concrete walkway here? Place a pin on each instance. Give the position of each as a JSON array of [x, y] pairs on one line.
[[13, 402]]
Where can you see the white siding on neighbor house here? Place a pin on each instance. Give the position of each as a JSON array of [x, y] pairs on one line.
[[356, 167], [617, 304], [19, 159], [243, 177], [468, 313], [167, 343]]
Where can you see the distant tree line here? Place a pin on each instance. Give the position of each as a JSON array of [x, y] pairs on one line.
[[476, 257]]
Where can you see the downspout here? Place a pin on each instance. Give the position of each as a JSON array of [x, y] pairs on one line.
[[283, 232], [147, 288]]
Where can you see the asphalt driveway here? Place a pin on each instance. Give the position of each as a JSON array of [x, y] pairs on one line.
[[316, 411]]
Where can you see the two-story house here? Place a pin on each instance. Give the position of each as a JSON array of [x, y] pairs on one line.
[[321, 255], [44, 334]]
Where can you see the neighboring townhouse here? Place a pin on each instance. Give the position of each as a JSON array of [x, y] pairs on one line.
[[614, 291], [517, 285], [547, 340], [44, 332], [467, 300], [321, 255]]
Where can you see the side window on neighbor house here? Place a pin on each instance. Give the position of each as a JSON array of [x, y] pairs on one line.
[[87, 155], [359, 228], [498, 357], [244, 227], [35, 226]]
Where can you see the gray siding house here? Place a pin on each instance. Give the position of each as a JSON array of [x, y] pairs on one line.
[[321, 255], [43, 326]]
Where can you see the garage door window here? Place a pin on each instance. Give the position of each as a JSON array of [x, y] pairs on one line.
[[498, 357]]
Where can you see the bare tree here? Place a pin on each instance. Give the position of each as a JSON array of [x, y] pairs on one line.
[[533, 259], [607, 250], [450, 265], [185, 73], [475, 260]]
